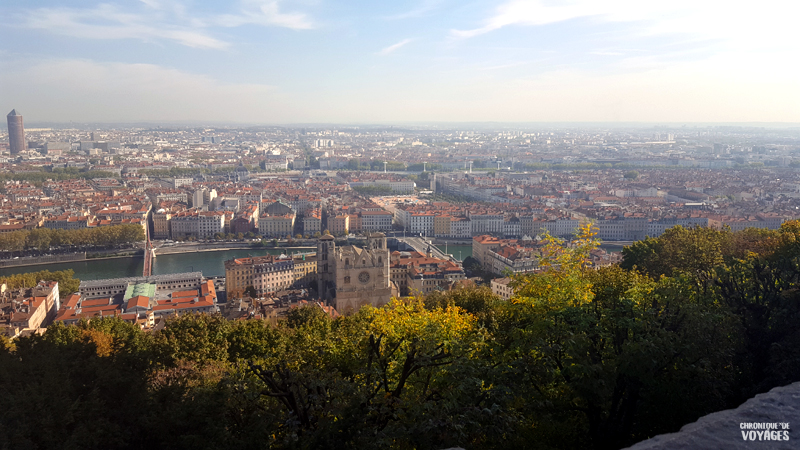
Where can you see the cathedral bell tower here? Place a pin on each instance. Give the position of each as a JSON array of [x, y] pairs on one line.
[[326, 267]]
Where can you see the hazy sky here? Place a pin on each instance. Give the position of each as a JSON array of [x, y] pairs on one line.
[[261, 61]]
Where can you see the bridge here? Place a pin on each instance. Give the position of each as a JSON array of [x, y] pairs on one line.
[[421, 245], [149, 253]]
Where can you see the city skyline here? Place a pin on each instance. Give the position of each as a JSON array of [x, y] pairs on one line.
[[426, 61]]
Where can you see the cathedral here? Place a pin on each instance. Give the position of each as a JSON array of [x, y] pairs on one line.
[[349, 276]]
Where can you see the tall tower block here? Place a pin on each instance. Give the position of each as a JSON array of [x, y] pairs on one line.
[[16, 132]]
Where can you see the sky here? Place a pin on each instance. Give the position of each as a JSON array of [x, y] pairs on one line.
[[326, 61]]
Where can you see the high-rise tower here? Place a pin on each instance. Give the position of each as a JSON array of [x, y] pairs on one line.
[[16, 132]]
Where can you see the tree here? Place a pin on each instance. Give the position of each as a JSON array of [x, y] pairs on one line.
[[198, 338], [111, 354], [604, 347], [364, 379], [306, 316], [43, 238], [688, 250], [760, 291], [67, 284], [631, 175]]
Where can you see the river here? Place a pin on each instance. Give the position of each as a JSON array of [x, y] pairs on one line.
[[210, 263], [459, 252]]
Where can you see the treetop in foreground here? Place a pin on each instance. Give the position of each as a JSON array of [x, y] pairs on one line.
[[578, 358]]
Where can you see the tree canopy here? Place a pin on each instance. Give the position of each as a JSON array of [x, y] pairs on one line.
[[43, 239], [691, 322]]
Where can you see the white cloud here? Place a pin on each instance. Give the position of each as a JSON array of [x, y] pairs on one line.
[[521, 12], [159, 20], [393, 47], [110, 22], [769, 22], [266, 13]]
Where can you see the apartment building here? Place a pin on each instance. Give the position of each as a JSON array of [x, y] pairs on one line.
[[197, 224], [500, 255], [161, 224], [416, 273], [376, 220], [441, 225], [264, 273], [27, 310], [312, 222], [339, 224], [246, 220], [501, 288], [305, 270], [277, 225]]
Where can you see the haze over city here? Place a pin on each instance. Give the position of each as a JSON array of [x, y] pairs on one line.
[[273, 62]]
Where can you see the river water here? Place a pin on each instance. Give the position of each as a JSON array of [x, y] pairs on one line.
[[459, 252], [210, 263]]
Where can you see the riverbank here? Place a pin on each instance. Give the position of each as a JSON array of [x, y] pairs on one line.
[[451, 241], [214, 248], [39, 260], [209, 261]]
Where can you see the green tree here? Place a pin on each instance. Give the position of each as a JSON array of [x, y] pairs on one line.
[[199, 338], [688, 250], [602, 347], [67, 284]]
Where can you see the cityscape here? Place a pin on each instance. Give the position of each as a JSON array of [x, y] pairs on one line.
[[253, 222], [424, 224]]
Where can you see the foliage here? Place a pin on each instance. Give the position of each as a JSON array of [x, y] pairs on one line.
[[70, 173], [688, 250], [173, 172], [578, 358], [66, 283], [43, 239]]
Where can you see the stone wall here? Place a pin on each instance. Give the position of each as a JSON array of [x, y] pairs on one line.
[[727, 429]]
